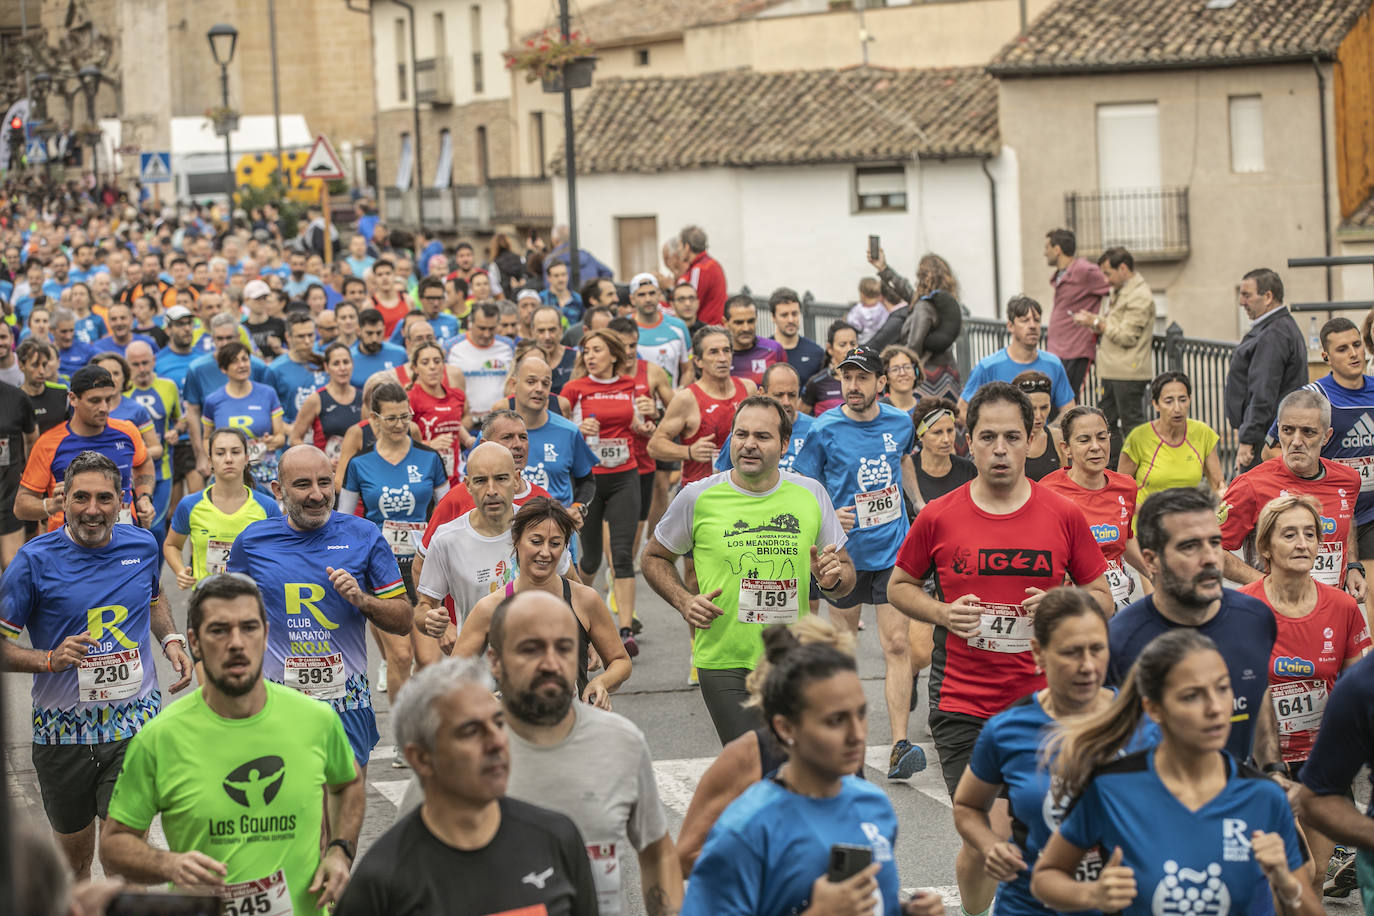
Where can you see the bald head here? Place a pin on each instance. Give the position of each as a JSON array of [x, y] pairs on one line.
[[305, 485], [492, 480], [136, 349], [489, 457], [530, 610]]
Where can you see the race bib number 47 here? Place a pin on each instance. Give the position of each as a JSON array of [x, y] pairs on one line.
[[1003, 628]]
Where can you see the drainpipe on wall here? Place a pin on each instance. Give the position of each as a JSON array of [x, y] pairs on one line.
[[419, 175], [1022, 6], [1326, 169], [996, 244]]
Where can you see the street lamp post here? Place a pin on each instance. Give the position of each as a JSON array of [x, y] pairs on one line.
[[89, 77], [42, 128], [223, 39]]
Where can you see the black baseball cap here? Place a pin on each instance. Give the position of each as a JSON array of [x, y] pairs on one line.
[[865, 358], [88, 377]]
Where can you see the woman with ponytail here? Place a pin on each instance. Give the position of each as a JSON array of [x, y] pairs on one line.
[[770, 851], [1070, 646], [751, 756], [1189, 828]]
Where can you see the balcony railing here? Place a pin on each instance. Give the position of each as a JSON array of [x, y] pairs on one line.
[[521, 200], [1150, 223], [433, 81]]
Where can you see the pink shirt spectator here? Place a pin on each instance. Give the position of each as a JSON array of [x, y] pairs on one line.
[[1078, 287]]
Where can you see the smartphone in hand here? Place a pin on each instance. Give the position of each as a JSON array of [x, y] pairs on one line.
[[847, 860], [873, 246]]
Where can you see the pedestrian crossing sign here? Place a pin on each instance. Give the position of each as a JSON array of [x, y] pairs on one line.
[[36, 153], [155, 168]]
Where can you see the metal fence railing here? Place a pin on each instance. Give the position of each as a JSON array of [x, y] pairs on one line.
[[1205, 362]]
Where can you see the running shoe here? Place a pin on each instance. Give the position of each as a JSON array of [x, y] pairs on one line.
[[1340, 875], [906, 761], [399, 762], [636, 625], [381, 677], [628, 638]]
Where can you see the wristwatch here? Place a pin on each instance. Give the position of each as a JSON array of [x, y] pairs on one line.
[[1356, 565], [346, 846]]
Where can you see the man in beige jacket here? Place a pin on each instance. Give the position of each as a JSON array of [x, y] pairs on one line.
[[1125, 363]]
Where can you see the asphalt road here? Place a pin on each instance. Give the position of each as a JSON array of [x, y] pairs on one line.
[[673, 718]]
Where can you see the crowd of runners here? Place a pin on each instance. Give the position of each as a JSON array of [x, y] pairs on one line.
[[453, 461]]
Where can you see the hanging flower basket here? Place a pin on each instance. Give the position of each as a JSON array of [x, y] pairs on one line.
[[88, 134], [225, 120], [549, 56], [576, 74]]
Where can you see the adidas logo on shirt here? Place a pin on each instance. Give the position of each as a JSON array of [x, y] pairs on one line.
[[1361, 435]]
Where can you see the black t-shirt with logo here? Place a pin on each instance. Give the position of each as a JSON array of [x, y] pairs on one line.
[[50, 407], [536, 863], [262, 331], [16, 419]]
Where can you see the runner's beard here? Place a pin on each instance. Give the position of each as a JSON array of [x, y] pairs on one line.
[[536, 707]]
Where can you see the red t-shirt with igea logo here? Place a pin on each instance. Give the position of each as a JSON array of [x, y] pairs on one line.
[[1336, 488], [995, 557]]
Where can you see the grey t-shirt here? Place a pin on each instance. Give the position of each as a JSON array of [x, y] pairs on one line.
[[602, 776]]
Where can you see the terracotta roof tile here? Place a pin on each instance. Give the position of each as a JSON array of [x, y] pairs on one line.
[[1094, 35], [623, 21], [747, 118]]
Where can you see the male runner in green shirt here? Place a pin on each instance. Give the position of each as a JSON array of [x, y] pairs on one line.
[[237, 770], [758, 537]]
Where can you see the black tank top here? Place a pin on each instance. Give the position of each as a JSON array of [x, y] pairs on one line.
[[1048, 461], [336, 416]]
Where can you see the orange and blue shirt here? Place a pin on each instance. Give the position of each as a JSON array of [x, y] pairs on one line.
[[119, 441]]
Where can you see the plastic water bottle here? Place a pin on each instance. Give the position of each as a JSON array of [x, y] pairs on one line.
[[594, 440], [1314, 340]]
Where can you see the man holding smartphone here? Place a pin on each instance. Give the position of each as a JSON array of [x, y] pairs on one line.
[[236, 771]]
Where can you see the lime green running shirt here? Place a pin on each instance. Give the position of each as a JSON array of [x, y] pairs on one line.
[[751, 546], [211, 532], [246, 792]]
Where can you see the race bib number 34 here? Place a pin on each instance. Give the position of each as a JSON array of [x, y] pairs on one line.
[[318, 676], [768, 601], [1329, 566]]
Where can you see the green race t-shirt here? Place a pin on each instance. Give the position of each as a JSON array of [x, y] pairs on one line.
[[246, 792], [755, 548]]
